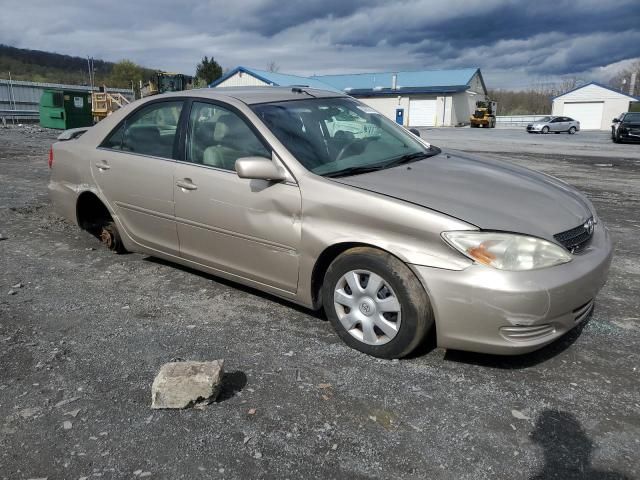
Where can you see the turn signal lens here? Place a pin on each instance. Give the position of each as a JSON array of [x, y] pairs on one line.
[[507, 251], [51, 156]]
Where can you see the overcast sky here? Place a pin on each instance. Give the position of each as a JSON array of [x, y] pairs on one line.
[[515, 43]]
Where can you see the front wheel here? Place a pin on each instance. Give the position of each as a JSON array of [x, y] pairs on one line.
[[545, 130], [572, 130], [375, 303]]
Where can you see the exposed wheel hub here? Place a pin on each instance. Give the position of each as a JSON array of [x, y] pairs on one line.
[[106, 237]]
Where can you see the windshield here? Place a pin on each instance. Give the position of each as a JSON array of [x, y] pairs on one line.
[[544, 120], [332, 135], [631, 117]]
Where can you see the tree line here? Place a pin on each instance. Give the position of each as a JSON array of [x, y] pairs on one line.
[[39, 66]]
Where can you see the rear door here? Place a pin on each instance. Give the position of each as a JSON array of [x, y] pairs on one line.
[[246, 228], [134, 169]]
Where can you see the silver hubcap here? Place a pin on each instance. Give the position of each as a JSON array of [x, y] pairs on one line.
[[367, 307]]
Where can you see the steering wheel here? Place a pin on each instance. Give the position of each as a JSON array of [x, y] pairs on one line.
[[344, 149]]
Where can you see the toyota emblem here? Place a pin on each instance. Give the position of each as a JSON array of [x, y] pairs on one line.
[[588, 226]]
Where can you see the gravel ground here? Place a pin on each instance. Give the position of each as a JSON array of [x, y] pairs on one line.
[[85, 331]]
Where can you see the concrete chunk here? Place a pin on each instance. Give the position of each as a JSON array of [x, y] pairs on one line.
[[183, 384]]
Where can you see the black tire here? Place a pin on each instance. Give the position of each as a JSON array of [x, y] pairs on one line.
[[416, 315], [544, 130], [557, 133], [572, 130], [110, 238]]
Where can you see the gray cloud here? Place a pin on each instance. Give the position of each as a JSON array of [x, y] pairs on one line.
[[515, 43]]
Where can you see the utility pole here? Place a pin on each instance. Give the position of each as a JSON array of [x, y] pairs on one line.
[[12, 97], [90, 66], [632, 83]]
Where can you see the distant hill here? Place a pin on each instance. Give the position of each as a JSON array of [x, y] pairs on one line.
[[39, 66]]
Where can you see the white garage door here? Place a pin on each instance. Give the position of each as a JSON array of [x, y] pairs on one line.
[[422, 113], [589, 114]]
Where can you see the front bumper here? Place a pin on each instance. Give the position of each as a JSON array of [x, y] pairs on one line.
[[486, 310], [630, 135]]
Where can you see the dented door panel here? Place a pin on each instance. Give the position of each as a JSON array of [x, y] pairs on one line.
[[247, 228]]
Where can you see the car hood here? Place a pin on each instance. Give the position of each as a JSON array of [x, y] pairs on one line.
[[489, 194]]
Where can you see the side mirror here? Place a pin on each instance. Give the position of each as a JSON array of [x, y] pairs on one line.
[[415, 131], [616, 120], [258, 168]]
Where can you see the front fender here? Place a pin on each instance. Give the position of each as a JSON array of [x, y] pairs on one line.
[[334, 214]]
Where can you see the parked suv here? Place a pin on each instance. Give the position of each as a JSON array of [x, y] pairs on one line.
[[626, 128], [555, 125]]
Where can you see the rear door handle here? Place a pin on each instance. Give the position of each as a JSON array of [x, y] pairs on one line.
[[186, 184], [102, 165]]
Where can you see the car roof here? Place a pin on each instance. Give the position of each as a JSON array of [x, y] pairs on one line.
[[254, 95]]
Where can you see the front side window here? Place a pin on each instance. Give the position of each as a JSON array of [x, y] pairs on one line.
[[331, 136], [149, 131], [217, 137]]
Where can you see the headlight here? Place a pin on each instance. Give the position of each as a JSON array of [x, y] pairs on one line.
[[507, 251]]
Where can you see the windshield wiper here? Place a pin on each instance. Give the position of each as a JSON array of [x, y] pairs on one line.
[[408, 158], [345, 172]]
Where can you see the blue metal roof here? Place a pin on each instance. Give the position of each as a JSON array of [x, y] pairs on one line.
[[424, 81], [277, 79], [417, 81]]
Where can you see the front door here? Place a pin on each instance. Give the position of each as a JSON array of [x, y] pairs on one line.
[[246, 228], [557, 125], [134, 170]]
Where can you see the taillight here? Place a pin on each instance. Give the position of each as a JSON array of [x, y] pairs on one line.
[[51, 156]]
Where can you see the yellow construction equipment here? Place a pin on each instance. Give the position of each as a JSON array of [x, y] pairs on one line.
[[162, 82], [104, 103], [484, 115]]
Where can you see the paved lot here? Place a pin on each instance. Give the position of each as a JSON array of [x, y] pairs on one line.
[[81, 341], [590, 143]]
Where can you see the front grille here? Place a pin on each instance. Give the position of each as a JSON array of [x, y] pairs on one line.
[[576, 239]]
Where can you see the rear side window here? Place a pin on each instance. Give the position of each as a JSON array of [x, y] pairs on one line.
[[217, 137], [149, 131]]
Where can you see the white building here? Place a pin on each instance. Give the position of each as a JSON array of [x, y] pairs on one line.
[[593, 105], [425, 98]]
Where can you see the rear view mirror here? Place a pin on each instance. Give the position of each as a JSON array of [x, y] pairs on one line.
[[615, 120], [259, 168], [415, 131]]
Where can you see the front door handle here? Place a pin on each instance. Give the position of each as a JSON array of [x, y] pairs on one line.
[[102, 165], [186, 184]]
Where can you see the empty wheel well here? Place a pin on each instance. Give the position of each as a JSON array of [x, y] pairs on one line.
[[322, 264], [91, 213]]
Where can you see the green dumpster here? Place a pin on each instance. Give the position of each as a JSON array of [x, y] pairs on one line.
[[64, 109]]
